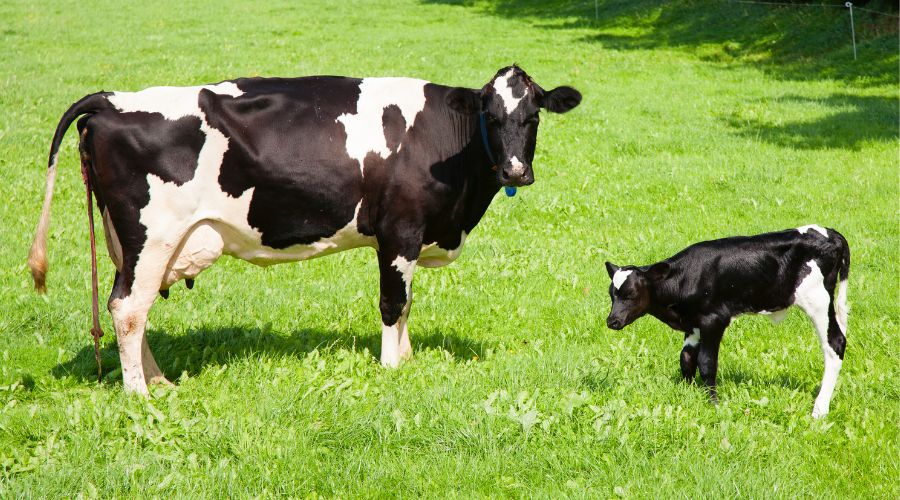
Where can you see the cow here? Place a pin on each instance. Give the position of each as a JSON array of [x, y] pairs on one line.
[[702, 288], [273, 170]]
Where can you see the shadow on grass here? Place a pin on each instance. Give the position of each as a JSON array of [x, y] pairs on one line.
[[203, 347], [792, 42], [855, 120], [739, 376]]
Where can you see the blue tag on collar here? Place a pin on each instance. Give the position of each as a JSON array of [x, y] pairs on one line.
[[510, 191]]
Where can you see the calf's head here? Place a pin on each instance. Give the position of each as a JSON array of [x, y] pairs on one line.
[[508, 107], [631, 292]]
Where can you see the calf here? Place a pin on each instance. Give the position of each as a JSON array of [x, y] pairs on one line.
[[273, 170], [700, 289]]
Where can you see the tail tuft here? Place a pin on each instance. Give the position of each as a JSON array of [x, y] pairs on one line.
[[37, 256]]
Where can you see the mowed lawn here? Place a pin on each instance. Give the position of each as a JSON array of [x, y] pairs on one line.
[[517, 387]]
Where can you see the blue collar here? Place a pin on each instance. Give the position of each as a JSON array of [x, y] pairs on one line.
[[484, 138], [510, 190]]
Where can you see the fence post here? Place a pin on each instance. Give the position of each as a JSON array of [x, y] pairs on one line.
[[849, 5]]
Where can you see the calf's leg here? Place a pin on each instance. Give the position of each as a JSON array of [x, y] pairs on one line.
[[818, 302], [689, 355], [708, 358], [396, 269]]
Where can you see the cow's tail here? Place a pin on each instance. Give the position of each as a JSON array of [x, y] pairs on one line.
[[37, 256]]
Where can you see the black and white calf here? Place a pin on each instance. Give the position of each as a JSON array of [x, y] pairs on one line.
[[274, 170], [700, 289]]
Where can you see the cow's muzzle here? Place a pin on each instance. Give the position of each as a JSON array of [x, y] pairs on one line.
[[515, 173]]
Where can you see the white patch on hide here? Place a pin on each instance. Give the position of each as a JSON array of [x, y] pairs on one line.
[[365, 129], [405, 268], [814, 227], [171, 102]]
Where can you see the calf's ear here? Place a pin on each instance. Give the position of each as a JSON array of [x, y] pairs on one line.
[[560, 99], [465, 101], [611, 268], [658, 271]]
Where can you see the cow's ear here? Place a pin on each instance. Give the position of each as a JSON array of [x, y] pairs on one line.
[[658, 271], [465, 101], [611, 268], [560, 99]]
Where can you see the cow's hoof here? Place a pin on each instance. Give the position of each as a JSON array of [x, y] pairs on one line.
[[390, 362], [818, 412]]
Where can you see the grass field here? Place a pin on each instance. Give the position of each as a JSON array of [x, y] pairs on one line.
[[517, 388]]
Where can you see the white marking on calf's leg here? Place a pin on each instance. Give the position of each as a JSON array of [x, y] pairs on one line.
[[814, 299], [620, 277], [693, 339]]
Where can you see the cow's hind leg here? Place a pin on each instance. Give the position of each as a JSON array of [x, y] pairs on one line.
[[817, 300], [152, 373], [129, 305]]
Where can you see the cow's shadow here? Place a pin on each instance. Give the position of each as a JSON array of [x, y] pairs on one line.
[[198, 348]]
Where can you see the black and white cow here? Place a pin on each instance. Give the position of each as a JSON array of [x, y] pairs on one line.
[[700, 289], [274, 170]]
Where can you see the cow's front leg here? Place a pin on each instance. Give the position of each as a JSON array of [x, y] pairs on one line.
[[708, 356], [396, 268]]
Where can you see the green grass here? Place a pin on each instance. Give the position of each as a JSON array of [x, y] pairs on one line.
[[517, 388]]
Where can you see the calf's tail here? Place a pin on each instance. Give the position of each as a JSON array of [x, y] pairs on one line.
[[37, 256], [841, 308]]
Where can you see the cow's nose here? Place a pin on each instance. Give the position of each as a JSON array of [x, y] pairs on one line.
[[516, 175], [613, 324]]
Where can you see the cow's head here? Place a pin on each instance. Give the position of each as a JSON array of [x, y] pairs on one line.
[[509, 106], [630, 292]]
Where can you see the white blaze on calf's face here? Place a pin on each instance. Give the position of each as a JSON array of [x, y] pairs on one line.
[[620, 278]]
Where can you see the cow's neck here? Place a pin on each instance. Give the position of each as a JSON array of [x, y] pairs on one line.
[[477, 182]]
